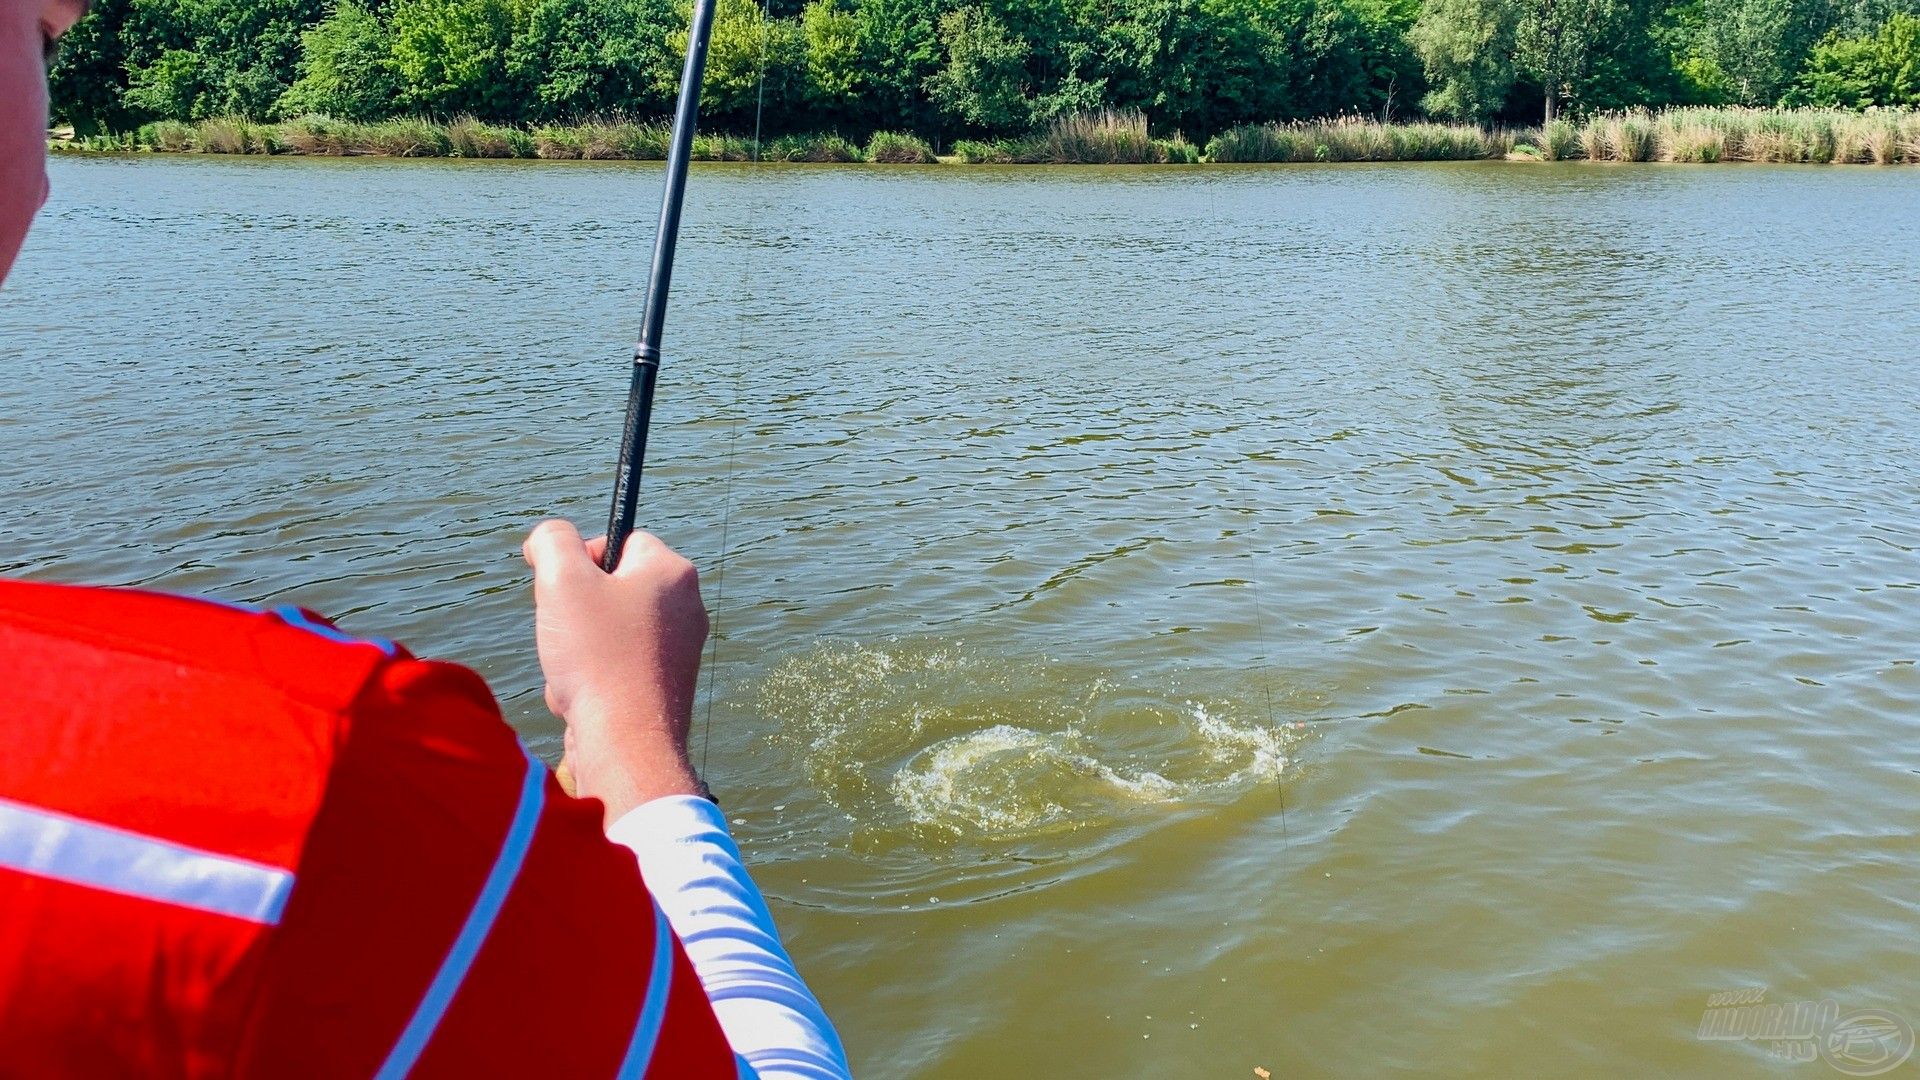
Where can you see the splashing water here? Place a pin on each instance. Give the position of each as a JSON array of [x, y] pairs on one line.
[[932, 740], [977, 782]]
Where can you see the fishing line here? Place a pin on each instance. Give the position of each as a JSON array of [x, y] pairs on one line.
[[1266, 659], [733, 432], [1266, 687]]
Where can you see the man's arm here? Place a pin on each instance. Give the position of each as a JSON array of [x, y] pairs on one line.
[[695, 873], [621, 655]]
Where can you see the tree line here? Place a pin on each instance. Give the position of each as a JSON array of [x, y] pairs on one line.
[[950, 69]]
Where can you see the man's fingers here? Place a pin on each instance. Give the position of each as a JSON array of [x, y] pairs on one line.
[[554, 546], [641, 546]]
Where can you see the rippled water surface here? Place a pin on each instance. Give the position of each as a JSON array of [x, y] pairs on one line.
[[1342, 620]]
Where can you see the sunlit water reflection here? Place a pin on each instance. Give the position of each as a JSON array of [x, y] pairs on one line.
[[1444, 619]]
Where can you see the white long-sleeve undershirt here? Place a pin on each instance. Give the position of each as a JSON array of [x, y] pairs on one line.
[[694, 871]]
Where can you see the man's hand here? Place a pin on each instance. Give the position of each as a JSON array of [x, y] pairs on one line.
[[621, 655]]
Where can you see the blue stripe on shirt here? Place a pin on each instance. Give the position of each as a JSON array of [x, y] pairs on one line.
[[486, 908], [653, 1011], [297, 619]]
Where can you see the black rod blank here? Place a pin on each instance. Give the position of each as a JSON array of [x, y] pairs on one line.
[[646, 352]]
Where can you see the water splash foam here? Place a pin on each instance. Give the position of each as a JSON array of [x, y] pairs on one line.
[[940, 741]]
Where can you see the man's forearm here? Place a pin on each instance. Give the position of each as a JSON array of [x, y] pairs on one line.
[[694, 871]]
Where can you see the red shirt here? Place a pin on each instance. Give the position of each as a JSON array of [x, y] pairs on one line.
[[243, 843]]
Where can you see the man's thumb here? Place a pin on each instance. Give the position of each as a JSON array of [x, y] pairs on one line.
[[554, 546]]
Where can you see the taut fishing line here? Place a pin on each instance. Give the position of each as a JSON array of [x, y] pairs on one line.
[[1266, 658], [1266, 682], [733, 407]]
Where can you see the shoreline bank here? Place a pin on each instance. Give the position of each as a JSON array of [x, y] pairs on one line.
[[1684, 135]]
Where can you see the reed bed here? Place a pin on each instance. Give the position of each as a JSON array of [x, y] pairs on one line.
[[601, 140], [1356, 139], [1713, 135], [1560, 141], [1698, 135], [235, 135], [899, 148], [1105, 137], [976, 152], [608, 139], [1100, 137], [820, 149]]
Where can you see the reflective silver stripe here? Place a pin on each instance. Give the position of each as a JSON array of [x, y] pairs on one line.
[[52, 845]]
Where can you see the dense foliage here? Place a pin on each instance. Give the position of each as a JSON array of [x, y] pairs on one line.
[[977, 69]]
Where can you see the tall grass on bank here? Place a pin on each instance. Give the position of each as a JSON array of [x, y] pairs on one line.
[[1620, 137], [1105, 137], [601, 140], [975, 152], [1356, 139], [1100, 137], [824, 149], [234, 135], [1560, 141], [1705, 135], [899, 148], [604, 139], [1696, 135], [467, 137], [1710, 135]]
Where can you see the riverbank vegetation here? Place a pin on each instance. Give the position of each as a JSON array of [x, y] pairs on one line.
[[1104, 137], [1107, 137], [466, 137], [1011, 80], [1692, 135]]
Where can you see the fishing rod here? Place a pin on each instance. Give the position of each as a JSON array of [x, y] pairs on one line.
[[646, 352]]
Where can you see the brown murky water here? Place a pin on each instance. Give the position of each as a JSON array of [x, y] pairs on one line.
[[1344, 620]]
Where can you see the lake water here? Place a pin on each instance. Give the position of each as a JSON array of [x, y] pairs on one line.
[[1436, 619]]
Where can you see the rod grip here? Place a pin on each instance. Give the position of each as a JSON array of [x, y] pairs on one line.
[[633, 459]]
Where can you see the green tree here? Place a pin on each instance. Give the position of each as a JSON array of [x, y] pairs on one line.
[[1198, 66], [583, 57], [198, 58], [1075, 91], [1754, 48], [984, 83], [831, 36], [451, 56], [755, 66], [176, 84], [1556, 43], [1467, 47], [1840, 71], [1394, 76], [188, 59], [88, 82], [899, 51], [1638, 63], [1480, 54], [1857, 72], [1195, 66], [1352, 58], [346, 68], [1040, 57]]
